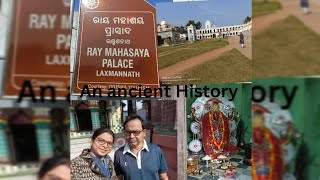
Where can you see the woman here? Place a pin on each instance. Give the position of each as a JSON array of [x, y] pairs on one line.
[[94, 163], [55, 168]]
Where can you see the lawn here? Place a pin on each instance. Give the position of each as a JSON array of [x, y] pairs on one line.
[[287, 48], [171, 55], [230, 67], [260, 7]]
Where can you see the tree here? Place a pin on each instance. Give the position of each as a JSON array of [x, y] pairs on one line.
[[197, 25], [191, 22], [247, 19], [181, 29]]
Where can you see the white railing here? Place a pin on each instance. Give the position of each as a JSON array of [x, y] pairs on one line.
[[30, 168]]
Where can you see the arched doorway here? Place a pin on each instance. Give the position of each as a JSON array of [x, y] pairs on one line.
[[83, 116], [24, 139]]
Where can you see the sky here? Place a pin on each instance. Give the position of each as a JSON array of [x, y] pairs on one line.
[[76, 5], [221, 12]]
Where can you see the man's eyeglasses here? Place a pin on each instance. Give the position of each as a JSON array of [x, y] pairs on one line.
[[103, 142], [135, 133]]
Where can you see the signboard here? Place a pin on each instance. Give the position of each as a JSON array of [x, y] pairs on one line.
[[117, 46], [39, 46]]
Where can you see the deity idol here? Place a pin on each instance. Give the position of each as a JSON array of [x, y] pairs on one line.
[[267, 162], [216, 130]]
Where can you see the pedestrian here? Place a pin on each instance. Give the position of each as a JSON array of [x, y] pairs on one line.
[[242, 40], [305, 6], [139, 160], [94, 163], [143, 112]]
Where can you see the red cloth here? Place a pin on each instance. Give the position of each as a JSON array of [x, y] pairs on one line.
[[208, 141], [267, 154]]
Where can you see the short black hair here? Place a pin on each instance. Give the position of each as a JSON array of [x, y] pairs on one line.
[[52, 163], [100, 131], [134, 117]]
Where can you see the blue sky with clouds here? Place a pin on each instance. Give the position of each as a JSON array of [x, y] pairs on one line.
[[221, 12]]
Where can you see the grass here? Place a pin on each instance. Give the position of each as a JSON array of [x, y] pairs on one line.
[[172, 55], [260, 8], [287, 48], [172, 48], [230, 67]]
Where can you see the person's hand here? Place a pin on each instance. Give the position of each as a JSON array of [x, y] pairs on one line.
[[120, 177], [164, 176]]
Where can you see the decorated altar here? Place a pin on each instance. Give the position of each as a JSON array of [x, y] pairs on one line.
[[217, 147]]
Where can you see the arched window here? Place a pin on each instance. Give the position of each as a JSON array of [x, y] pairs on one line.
[[24, 146]]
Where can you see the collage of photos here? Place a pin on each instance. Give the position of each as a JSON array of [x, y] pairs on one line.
[[159, 90]]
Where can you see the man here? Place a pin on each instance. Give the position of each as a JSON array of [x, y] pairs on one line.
[[139, 160], [241, 40], [143, 112], [305, 6]]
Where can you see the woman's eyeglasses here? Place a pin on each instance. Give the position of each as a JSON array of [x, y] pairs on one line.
[[103, 142], [135, 133]]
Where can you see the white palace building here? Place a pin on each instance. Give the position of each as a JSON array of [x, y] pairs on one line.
[[211, 31]]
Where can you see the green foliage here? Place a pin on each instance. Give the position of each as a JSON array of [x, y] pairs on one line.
[[198, 24], [247, 19]]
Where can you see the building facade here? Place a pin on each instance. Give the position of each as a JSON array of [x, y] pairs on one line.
[[210, 31], [168, 34]]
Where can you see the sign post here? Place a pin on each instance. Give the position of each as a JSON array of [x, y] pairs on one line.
[[39, 47], [117, 46]]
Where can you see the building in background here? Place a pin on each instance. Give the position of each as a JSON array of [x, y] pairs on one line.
[[168, 34], [210, 31]]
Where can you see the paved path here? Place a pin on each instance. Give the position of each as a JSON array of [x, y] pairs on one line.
[[290, 7], [311, 20], [261, 23], [183, 66], [26, 177], [247, 50]]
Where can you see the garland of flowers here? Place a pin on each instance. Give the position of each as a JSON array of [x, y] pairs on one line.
[[272, 159], [212, 132], [254, 173], [2, 121], [272, 155]]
